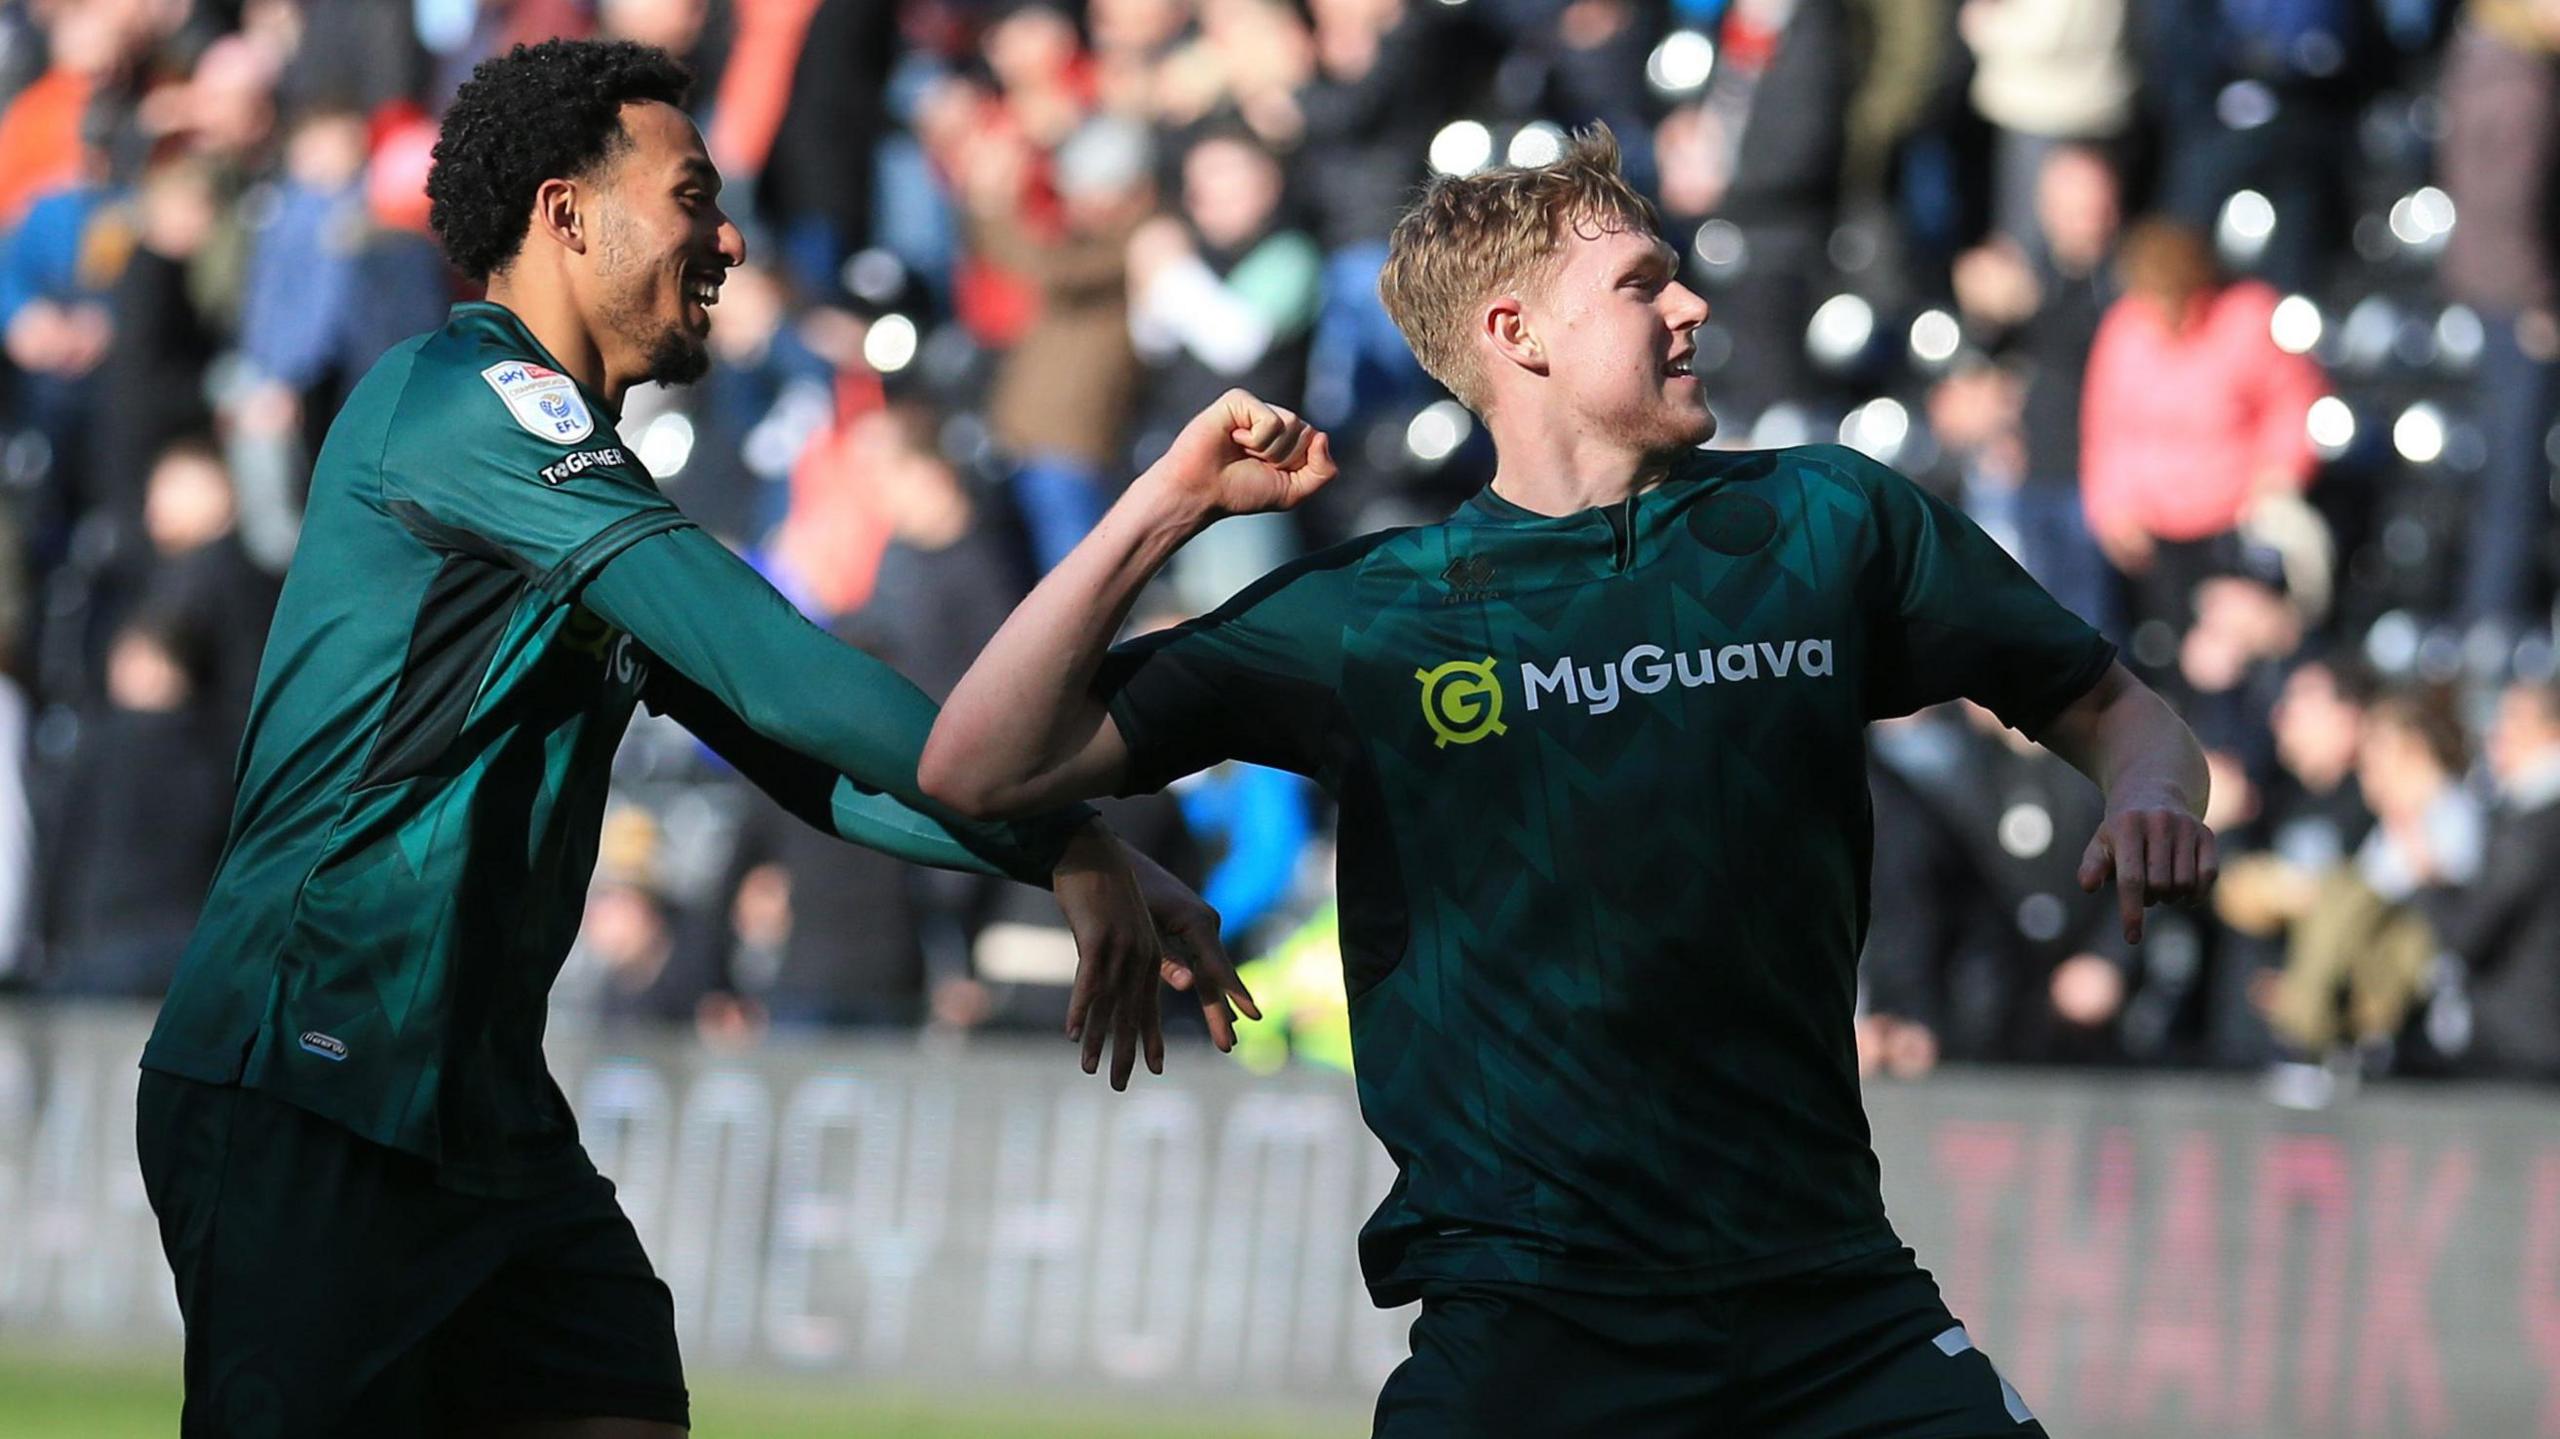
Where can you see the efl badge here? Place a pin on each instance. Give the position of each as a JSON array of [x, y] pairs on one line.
[[542, 400]]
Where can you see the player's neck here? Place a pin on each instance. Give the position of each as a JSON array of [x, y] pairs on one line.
[[1559, 473], [552, 315]]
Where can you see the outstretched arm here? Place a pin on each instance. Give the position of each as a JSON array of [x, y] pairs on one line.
[[810, 792], [833, 734], [2147, 763], [728, 635], [1024, 729]]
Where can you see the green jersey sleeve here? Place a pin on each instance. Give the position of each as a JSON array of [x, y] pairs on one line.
[[1951, 616], [804, 708], [809, 791], [1255, 679], [464, 470]]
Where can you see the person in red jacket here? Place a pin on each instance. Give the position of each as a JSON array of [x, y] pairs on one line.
[[2193, 415]]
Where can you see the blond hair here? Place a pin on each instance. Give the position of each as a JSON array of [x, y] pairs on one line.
[[1472, 237]]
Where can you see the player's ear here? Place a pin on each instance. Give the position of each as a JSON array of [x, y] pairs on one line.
[[1514, 338], [559, 211]]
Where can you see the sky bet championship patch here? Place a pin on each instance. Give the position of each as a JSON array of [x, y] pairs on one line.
[[542, 400]]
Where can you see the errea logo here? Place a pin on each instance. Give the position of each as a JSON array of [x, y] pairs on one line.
[[1462, 700]]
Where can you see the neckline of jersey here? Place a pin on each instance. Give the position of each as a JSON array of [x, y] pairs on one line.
[[514, 324], [1485, 506]]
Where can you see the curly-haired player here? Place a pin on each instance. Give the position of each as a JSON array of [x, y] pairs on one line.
[[372, 1194]]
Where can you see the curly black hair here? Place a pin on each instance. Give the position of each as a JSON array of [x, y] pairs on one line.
[[536, 113]]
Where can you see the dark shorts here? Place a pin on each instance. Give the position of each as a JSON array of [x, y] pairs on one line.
[[330, 1287], [1862, 1350]]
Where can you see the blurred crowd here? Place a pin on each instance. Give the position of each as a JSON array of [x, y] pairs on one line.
[[2233, 319]]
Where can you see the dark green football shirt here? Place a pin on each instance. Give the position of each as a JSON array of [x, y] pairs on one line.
[[426, 765], [1604, 845]]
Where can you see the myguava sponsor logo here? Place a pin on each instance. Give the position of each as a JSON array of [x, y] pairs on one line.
[[1650, 669], [1461, 701]]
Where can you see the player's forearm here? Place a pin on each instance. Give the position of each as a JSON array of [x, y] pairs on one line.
[[832, 804], [2126, 738], [877, 821], [792, 707], [1026, 707]]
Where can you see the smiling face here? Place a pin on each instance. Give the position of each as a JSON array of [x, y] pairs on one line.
[[662, 247], [1617, 333]]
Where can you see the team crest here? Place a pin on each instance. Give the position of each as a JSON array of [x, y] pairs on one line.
[[543, 400]]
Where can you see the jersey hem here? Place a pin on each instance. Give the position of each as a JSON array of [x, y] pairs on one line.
[[204, 1066], [571, 1165], [1519, 1264]]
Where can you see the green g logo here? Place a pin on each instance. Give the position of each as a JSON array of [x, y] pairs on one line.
[[1461, 701]]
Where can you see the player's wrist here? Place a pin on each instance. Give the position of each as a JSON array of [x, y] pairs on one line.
[[2152, 794], [1164, 504]]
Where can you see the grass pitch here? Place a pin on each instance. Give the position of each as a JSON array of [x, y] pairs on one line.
[[43, 1397]]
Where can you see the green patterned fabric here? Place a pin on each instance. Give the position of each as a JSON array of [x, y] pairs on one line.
[[1605, 839]]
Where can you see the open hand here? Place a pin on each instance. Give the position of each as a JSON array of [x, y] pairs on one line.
[[2157, 852], [1195, 961], [1135, 925]]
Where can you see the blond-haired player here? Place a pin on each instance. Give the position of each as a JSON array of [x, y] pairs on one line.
[[1597, 742]]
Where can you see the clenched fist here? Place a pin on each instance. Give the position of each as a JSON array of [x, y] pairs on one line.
[[1241, 456]]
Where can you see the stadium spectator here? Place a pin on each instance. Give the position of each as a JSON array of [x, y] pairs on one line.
[[2505, 929], [2038, 302], [835, 928], [1366, 115], [2294, 826], [302, 266], [217, 602], [56, 273], [1222, 295], [767, 393], [1254, 826], [2361, 955], [629, 964], [1762, 150], [1248, 60], [1062, 393], [2263, 97], [1134, 41], [1982, 937], [402, 284], [816, 186], [42, 147], [1306, 1014], [131, 832], [2501, 164], [160, 339], [2045, 73], [2192, 415]]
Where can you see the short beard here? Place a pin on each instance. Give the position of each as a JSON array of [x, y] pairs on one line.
[[677, 358], [1655, 433]]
